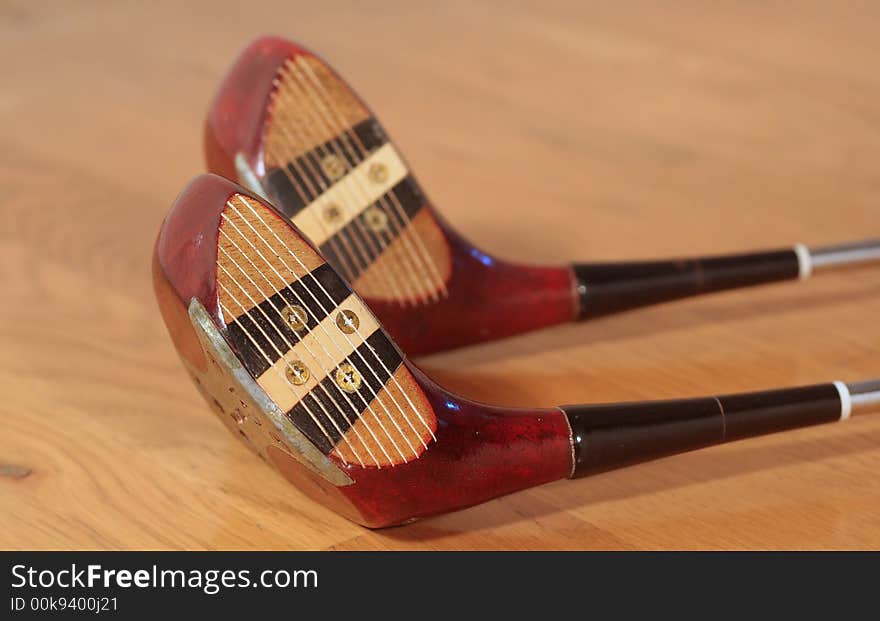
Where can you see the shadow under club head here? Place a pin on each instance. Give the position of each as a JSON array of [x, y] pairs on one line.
[[287, 126]]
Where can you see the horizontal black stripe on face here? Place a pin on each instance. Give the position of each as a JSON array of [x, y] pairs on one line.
[[355, 246], [305, 292], [373, 376], [307, 173]]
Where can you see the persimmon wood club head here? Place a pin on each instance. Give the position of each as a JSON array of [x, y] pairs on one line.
[[287, 126], [298, 367]]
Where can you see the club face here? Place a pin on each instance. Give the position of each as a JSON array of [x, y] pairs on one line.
[[298, 369], [301, 137], [285, 124]]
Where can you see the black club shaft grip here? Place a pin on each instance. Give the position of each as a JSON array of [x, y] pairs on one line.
[[605, 288], [614, 435]]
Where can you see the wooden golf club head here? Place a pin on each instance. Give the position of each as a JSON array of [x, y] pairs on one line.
[[298, 367], [288, 127]]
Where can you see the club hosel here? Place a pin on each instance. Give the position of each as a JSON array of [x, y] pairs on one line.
[[615, 435], [605, 288]]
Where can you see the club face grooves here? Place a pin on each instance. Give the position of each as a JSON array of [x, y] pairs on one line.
[[328, 163], [472, 453], [370, 415]]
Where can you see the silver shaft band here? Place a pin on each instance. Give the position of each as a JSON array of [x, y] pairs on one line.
[[839, 255], [862, 396], [865, 395]]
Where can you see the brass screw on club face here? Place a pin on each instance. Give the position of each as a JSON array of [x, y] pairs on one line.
[[332, 213], [297, 372], [347, 378], [333, 167], [347, 321], [375, 219], [295, 316], [378, 173]]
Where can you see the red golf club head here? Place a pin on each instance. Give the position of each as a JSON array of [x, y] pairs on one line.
[[288, 127], [300, 369]]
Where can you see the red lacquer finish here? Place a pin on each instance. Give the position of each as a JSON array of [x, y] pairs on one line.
[[480, 452], [185, 259], [239, 111], [488, 298]]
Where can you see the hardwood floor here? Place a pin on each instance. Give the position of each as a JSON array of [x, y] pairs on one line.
[[543, 131]]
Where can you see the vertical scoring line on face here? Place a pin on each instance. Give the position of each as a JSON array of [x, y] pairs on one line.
[[314, 177], [350, 268], [308, 349], [345, 336], [354, 250], [414, 280], [343, 130], [336, 344], [288, 250], [342, 126], [311, 414], [424, 255], [320, 426], [318, 341], [356, 331], [391, 277], [283, 358]]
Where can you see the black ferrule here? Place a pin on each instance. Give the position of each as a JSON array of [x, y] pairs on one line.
[[614, 435], [606, 288]]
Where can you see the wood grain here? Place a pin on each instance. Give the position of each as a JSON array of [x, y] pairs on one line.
[[250, 237], [309, 107], [287, 137], [421, 244], [580, 130]]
